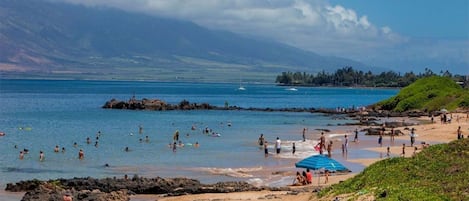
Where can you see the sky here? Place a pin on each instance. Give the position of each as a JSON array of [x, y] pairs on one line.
[[400, 35]]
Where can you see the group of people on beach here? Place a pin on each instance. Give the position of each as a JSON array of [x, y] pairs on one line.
[[278, 145], [303, 179]]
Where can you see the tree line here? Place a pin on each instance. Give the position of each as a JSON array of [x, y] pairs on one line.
[[348, 77]]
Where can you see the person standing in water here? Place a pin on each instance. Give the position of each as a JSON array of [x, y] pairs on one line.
[[355, 139], [293, 149], [266, 149], [140, 129], [346, 143], [81, 154], [176, 136], [261, 140], [278, 143], [41, 156], [304, 134], [21, 155]]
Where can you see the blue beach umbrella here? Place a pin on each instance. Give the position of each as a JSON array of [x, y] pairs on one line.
[[317, 162]]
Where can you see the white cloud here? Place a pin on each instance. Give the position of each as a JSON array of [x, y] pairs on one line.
[[314, 25]]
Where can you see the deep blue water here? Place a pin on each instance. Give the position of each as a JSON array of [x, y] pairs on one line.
[[40, 114]]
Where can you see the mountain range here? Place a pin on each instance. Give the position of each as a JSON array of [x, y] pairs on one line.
[[42, 39]]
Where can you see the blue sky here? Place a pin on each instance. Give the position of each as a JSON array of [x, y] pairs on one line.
[[417, 18], [399, 35]]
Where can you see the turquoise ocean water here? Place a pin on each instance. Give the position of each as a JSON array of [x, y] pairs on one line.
[[40, 114]]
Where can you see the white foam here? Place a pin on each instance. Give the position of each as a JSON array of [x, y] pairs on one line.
[[256, 182], [282, 181], [232, 172], [302, 149], [338, 135]]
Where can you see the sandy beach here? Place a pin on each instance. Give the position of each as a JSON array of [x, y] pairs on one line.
[[427, 132]]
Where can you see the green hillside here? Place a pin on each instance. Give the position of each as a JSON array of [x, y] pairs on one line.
[[440, 172], [428, 94]]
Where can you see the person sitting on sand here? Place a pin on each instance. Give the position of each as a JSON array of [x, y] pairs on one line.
[[299, 180], [309, 177]]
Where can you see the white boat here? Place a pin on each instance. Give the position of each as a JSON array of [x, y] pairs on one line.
[[241, 88], [292, 89]]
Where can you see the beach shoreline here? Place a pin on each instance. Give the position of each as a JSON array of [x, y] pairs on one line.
[[359, 156], [430, 133]]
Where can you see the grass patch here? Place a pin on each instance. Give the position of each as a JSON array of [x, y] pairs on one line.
[[428, 94], [440, 172]]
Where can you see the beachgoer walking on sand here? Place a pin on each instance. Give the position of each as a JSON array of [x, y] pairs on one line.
[[266, 150], [412, 137], [278, 145], [293, 149], [403, 150], [261, 140], [388, 152], [304, 134], [346, 143], [380, 140], [392, 134], [355, 139], [459, 133], [322, 141], [329, 149], [326, 174], [81, 154]]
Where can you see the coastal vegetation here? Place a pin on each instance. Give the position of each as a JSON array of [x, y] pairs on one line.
[[439, 172], [428, 94], [350, 77]]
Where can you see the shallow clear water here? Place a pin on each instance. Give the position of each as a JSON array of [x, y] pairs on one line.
[[38, 115]]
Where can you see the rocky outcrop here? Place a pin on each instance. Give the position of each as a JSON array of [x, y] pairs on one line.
[[47, 191], [120, 189]]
